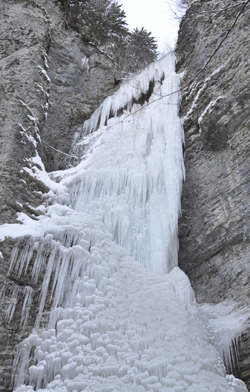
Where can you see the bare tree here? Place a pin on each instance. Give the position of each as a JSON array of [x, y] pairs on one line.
[[178, 7]]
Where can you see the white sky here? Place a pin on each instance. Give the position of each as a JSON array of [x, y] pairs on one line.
[[155, 16]]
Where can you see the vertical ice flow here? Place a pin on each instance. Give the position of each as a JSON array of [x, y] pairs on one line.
[[133, 165]]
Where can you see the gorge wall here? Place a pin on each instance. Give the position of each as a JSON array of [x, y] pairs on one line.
[[213, 53], [51, 81]]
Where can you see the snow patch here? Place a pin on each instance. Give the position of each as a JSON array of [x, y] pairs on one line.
[[204, 86], [208, 110], [44, 73]]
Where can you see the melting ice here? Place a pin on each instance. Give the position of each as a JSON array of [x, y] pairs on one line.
[[118, 322]]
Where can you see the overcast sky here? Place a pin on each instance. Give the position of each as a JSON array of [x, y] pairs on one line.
[[155, 16]]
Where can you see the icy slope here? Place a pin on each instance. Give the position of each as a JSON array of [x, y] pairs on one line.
[[115, 325], [129, 331]]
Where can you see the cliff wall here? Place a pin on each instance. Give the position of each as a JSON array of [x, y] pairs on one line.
[[50, 81], [213, 53]]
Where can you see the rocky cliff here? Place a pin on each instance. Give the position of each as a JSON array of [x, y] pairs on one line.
[[50, 82], [213, 53]]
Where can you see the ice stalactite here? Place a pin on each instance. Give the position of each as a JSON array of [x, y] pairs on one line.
[[106, 323]]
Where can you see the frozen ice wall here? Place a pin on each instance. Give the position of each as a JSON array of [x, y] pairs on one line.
[[114, 325], [133, 166]]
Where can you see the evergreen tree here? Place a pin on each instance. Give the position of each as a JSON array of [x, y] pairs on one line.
[[98, 20], [135, 51], [103, 23], [143, 48]]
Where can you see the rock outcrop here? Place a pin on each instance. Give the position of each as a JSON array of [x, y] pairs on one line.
[[213, 52], [51, 80]]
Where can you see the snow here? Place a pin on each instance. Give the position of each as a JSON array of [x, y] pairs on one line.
[[204, 86], [208, 110], [118, 320], [30, 227], [28, 136], [39, 87], [85, 62], [28, 108], [16, 230], [44, 73], [35, 121], [57, 190], [45, 58]]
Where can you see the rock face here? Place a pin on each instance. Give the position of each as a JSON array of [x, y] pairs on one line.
[[81, 77], [213, 50], [50, 82]]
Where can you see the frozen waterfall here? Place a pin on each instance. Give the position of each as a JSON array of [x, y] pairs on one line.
[[133, 167], [116, 313]]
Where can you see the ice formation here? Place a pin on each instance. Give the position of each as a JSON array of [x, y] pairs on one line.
[[133, 166], [110, 318], [224, 323]]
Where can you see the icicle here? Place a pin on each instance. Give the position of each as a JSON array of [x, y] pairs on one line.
[[28, 296], [46, 280], [12, 302]]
